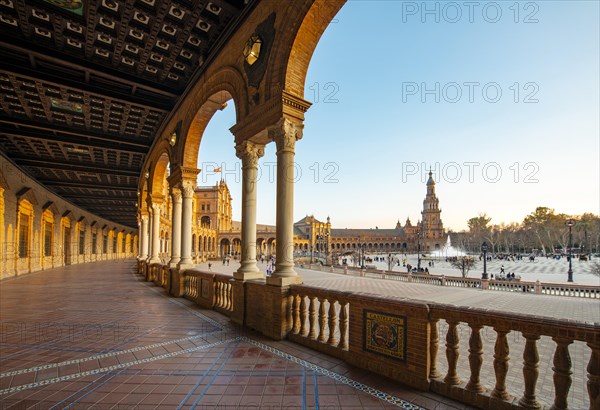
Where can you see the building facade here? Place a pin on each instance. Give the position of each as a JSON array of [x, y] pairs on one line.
[[216, 234]]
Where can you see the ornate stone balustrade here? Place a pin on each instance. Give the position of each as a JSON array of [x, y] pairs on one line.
[[506, 331], [337, 323], [209, 290], [320, 319]]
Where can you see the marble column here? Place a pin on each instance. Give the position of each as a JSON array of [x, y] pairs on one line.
[[176, 227], [285, 134], [155, 233], [144, 237], [186, 224], [249, 153]]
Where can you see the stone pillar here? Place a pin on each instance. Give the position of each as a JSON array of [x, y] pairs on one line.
[[154, 258], [285, 134], [186, 224], [249, 153], [176, 228], [144, 238]]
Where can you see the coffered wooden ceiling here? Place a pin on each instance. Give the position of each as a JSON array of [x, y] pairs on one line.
[[86, 84]]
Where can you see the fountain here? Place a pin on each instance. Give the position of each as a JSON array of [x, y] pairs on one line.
[[448, 250]]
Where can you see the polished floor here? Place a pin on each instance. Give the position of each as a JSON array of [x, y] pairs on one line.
[[97, 336]]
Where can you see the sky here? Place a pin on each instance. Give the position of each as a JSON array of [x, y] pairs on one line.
[[500, 99]]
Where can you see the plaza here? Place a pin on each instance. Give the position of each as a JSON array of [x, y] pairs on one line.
[[126, 284]]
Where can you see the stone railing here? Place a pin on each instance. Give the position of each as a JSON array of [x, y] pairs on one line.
[[538, 288], [320, 319], [335, 322], [521, 333], [580, 291], [209, 290]]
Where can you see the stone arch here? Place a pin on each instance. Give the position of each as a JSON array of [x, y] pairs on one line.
[[224, 85], [304, 27], [157, 174]]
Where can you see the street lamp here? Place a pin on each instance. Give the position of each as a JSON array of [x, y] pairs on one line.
[[327, 248], [484, 249], [419, 250], [362, 259], [570, 224]]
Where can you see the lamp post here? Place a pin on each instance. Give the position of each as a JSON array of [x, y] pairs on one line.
[[570, 224], [419, 250], [327, 248], [362, 258], [484, 249]]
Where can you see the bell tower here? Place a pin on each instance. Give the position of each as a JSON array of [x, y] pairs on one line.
[[432, 228]]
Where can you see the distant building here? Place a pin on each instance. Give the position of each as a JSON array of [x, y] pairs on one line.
[[215, 234]]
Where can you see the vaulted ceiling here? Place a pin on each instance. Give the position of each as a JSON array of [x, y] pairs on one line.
[[86, 84]]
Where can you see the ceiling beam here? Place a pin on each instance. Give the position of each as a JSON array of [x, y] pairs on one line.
[[57, 133], [66, 166], [87, 197], [126, 80], [87, 185]]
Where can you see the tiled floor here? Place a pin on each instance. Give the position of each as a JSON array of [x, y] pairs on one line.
[[97, 337]]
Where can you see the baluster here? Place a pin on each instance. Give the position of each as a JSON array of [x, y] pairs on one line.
[[501, 358], [322, 320], [303, 329], [562, 373], [312, 315], [217, 294], [433, 349], [296, 319], [530, 371], [593, 382], [229, 297], [289, 312], [225, 294], [332, 323], [452, 353], [475, 359], [343, 344], [222, 293]]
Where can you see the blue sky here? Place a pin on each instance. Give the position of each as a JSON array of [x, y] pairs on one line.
[[515, 124]]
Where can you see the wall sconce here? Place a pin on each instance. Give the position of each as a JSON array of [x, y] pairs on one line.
[[252, 49], [147, 174], [173, 139]]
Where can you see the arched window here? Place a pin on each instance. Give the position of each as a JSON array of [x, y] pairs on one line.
[[24, 228], [47, 232]]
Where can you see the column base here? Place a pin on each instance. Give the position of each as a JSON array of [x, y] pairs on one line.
[[174, 262], [184, 266], [244, 276], [152, 261], [284, 280]]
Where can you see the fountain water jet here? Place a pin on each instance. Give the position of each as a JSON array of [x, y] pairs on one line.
[[448, 250]]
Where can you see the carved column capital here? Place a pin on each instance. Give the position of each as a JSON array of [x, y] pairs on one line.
[[187, 188], [249, 153], [285, 134], [156, 208], [176, 194]]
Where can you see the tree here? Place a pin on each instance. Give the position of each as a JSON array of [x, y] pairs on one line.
[[479, 229], [464, 264]]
